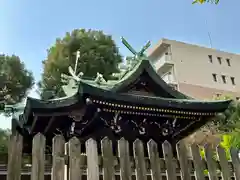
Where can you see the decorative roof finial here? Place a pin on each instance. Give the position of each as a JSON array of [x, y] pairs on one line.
[[138, 55], [144, 48], [76, 62], [72, 81], [100, 79], [75, 76], [130, 48]]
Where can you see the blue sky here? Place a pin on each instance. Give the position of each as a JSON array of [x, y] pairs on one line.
[[29, 27]]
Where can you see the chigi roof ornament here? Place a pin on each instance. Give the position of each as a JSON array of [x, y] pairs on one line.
[[131, 61], [137, 55]]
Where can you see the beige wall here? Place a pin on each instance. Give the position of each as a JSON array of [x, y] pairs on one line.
[[192, 66], [204, 93]]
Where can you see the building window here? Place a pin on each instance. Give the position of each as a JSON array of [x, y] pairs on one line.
[[224, 79], [210, 58], [233, 80], [214, 77], [228, 62], [218, 94], [219, 60]]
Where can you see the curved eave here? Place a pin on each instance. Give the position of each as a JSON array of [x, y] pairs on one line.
[[180, 104], [145, 65], [53, 103], [45, 106]]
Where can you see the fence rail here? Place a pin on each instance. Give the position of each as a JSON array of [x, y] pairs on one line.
[[69, 162]]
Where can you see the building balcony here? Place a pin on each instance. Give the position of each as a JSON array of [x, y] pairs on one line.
[[164, 64], [169, 79]]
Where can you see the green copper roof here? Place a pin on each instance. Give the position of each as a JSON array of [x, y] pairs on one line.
[[129, 72], [133, 68]]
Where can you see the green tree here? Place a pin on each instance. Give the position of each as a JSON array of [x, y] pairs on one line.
[[228, 121], [15, 80], [205, 1], [235, 137], [98, 54], [4, 137], [227, 125]]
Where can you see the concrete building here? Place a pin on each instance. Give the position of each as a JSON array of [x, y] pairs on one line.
[[199, 72]]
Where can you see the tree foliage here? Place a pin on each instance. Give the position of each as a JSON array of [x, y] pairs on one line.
[[227, 125], [98, 54], [228, 121], [228, 141], [224, 128], [15, 79], [4, 138], [205, 1]]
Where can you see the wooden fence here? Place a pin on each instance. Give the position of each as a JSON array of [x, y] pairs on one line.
[[71, 164]]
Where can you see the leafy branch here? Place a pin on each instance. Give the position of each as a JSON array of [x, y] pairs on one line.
[[205, 1]]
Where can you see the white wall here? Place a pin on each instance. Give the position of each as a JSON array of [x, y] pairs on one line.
[[192, 66]]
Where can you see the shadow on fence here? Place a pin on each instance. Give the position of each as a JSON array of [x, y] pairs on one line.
[[68, 162]]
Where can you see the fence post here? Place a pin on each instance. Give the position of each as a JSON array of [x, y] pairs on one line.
[[38, 157], [92, 160], [139, 160], [154, 160], [236, 162], [183, 160], [66, 167], [223, 163], [125, 166], [168, 157], [58, 158], [75, 172], [15, 157], [108, 159], [197, 161], [211, 165]]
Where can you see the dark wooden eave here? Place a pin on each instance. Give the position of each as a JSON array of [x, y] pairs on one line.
[[177, 104], [37, 107]]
